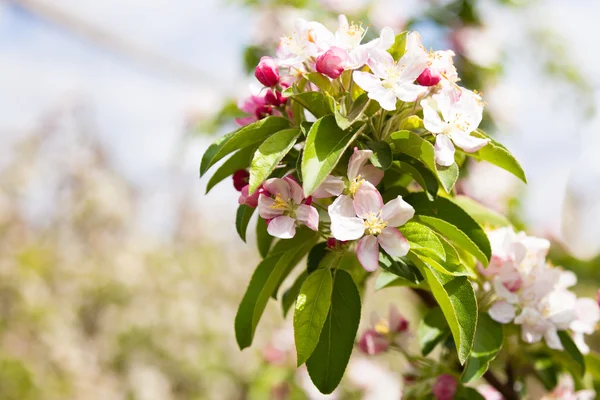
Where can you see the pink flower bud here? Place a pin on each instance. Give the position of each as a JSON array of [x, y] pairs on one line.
[[308, 201], [266, 72], [262, 112], [372, 343], [251, 201], [332, 243], [240, 179], [598, 297], [445, 387], [429, 78], [275, 99], [331, 62]]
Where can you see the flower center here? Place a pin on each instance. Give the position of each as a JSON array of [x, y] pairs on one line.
[[382, 327], [355, 184], [280, 204], [374, 225]]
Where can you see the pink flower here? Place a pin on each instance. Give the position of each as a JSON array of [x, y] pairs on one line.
[[445, 387], [331, 63], [429, 78], [373, 343], [275, 99], [285, 206], [240, 179], [366, 217], [384, 332], [267, 72], [489, 392], [256, 106], [251, 201], [565, 390]]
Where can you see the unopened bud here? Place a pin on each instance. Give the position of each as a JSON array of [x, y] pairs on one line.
[[251, 200], [331, 62], [429, 78], [240, 179], [445, 387], [275, 99], [266, 72]]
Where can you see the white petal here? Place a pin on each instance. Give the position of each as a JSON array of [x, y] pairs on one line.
[[385, 97], [552, 339], [358, 160], [277, 186], [264, 207], [344, 228], [367, 200], [296, 192], [467, 142], [357, 58], [409, 92], [386, 38], [392, 241], [331, 186], [397, 212], [431, 119], [368, 253], [502, 312], [366, 81], [371, 174], [380, 62], [342, 207], [444, 150], [308, 215], [282, 227]]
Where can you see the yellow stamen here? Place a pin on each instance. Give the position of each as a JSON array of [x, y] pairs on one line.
[[374, 225], [279, 203], [355, 184], [382, 327]]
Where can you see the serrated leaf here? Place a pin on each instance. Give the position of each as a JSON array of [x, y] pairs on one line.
[[398, 49], [325, 144], [420, 173], [269, 154], [423, 241], [432, 330], [242, 218], [457, 300], [317, 103], [489, 337], [263, 239], [328, 361], [497, 154], [239, 160], [570, 356], [315, 256], [311, 312], [382, 154], [480, 213], [452, 222], [289, 296], [244, 137]]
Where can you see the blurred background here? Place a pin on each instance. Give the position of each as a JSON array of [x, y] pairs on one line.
[[120, 278]]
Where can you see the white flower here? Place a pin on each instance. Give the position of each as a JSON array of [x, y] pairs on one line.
[[587, 316], [451, 116], [565, 390], [394, 80], [309, 39]]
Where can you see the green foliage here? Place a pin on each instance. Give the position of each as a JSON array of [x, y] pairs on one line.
[[488, 342], [423, 241], [315, 256], [480, 213], [317, 103], [240, 160], [398, 271], [499, 155], [571, 356], [269, 154], [244, 213], [420, 173], [432, 330], [263, 239], [382, 154], [289, 296], [399, 47], [328, 361]]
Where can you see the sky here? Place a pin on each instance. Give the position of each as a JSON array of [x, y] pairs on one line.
[[143, 69]]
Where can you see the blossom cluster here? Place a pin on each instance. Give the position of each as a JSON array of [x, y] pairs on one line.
[[532, 293]]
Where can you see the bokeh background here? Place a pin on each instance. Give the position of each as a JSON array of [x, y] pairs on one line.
[[120, 278]]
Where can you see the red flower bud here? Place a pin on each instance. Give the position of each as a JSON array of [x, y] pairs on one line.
[[308, 201], [252, 200], [240, 179], [266, 72], [445, 387], [275, 99], [429, 78], [262, 112], [331, 62]]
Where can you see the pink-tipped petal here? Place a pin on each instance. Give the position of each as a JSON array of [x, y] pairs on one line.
[[372, 343], [397, 212], [282, 227], [367, 200], [264, 208], [371, 174], [393, 242], [308, 215], [367, 252], [278, 186], [296, 192], [358, 160], [396, 321], [342, 207], [331, 186]]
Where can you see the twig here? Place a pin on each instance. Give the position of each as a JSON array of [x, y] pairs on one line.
[[507, 391]]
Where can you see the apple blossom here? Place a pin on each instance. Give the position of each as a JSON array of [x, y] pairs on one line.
[[267, 72], [444, 387], [240, 179], [565, 390], [331, 63], [256, 106], [358, 173], [366, 217], [286, 208], [392, 80], [309, 39], [587, 316], [251, 200], [451, 116], [275, 98], [384, 332]]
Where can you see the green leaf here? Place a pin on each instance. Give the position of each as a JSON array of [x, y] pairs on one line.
[[420, 173], [453, 222], [328, 361], [315, 256], [317, 103], [402, 268], [432, 330], [457, 300], [489, 337], [571, 356], [453, 264], [498, 155], [264, 282], [382, 154], [361, 106], [289, 296], [399, 47], [480, 213], [244, 137], [242, 218], [263, 239], [448, 176], [411, 123], [423, 241], [311, 312], [321, 81], [325, 144], [545, 370], [592, 362], [269, 154], [467, 393], [239, 160]]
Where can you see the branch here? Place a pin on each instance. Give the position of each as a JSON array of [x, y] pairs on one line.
[[507, 391]]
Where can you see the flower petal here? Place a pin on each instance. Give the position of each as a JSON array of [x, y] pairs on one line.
[[264, 208], [278, 186], [408, 91], [358, 160], [467, 142], [366, 81], [397, 212], [347, 228], [331, 186], [282, 227], [552, 339], [308, 215], [392, 241], [444, 150], [502, 311], [367, 200], [371, 174], [367, 252], [341, 207], [431, 119], [296, 192], [385, 97]]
